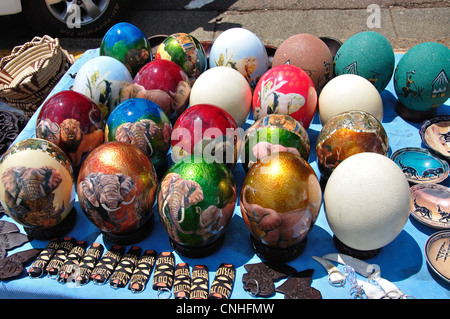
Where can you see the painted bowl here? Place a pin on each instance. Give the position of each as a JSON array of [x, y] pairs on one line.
[[437, 248], [435, 134], [430, 205]]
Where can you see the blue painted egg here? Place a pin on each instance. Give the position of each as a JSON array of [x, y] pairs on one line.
[[368, 54], [128, 44], [241, 50], [104, 80], [143, 123]]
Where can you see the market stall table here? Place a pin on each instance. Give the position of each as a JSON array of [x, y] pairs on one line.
[[402, 261]]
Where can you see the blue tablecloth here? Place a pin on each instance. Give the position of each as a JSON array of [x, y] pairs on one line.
[[402, 261]]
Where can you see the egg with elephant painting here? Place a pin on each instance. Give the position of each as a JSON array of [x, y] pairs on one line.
[[73, 122], [37, 184], [116, 189], [280, 200], [143, 123], [274, 133], [196, 201]]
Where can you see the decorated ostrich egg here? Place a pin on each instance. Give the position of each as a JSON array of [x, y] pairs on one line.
[[226, 88], [196, 201], [116, 189], [347, 134], [421, 79], [73, 122], [186, 51], [241, 50], [366, 201], [368, 54], [128, 44], [274, 133], [104, 80], [285, 89], [205, 129], [143, 123], [349, 92], [309, 53], [280, 200], [37, 184], [165, 83]]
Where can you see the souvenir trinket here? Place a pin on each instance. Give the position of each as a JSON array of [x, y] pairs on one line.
[[349, 92], [309, 53], [420, 166], [280, 202], [241, 50], [437, 253], [13, 266], [347, 134], [222, 285], [37, 188], [261, 277], [196, 201], [73, 122], [421, 81], [38, 267], [274, 133], [199, 282], [165, 83], [205, 129], [117, 187], [87, 263], [298, 286], [335, 277], [182, 281], [10, 241], [8, 227], [164, 273], [106, 265], [363, 232], [105, 80], [60, 256], [435, 134], [186, 51], [226, 88], [430, 205], [124, 269], [142, 271], [368, 54], [128, 44], [285, 89], [71, 263]]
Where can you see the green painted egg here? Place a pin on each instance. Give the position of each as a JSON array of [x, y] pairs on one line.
[[368, 54], [422, 75]]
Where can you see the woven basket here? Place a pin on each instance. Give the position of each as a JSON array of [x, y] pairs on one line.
[[31, 71]]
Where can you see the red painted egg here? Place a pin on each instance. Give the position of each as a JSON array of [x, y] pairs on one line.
[[73, 122], [285, 89]]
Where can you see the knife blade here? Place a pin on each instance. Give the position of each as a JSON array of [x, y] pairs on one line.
[[335, 277]]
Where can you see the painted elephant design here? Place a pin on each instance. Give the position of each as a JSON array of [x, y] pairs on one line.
[[265, 148], [105, 194], [139, 133]]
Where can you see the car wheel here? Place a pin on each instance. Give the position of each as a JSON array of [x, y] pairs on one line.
[[74, 18]]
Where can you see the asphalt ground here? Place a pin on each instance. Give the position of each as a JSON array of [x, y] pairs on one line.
[[404, 23]]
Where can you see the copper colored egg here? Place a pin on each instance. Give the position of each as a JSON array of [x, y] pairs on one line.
[[280, 200], [309, 53]]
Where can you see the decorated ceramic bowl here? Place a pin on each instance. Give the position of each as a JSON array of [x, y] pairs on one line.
[[205, 129], [280, 200], [143, 123], [437, 248], [435, 134], [73, 122], [274, 133], [37, 183], [104, 80], [196, 201], [285, 89], [186, 51], [430, 205], [347, 134], [116, 189], [128, 44], [420, 166]]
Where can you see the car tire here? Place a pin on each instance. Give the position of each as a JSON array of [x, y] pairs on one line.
[[78, 22]]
